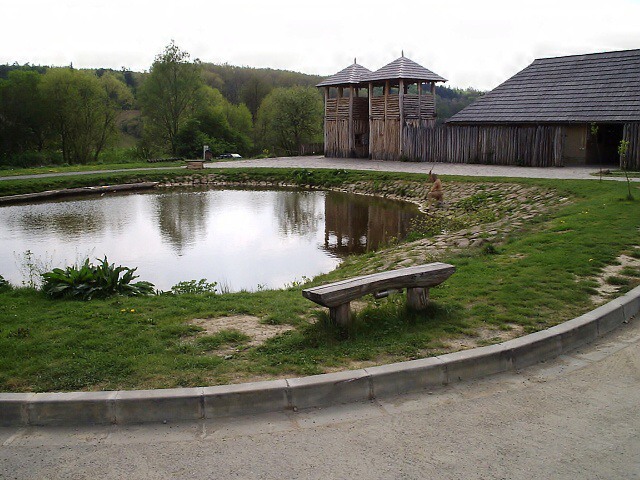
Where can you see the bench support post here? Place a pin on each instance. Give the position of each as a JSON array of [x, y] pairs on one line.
[[340, 315], [417, 298]]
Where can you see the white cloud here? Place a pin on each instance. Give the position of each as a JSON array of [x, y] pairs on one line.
[[470, 43]]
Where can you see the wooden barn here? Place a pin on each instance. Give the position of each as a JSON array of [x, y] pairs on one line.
[[557, 111], [367, 113]]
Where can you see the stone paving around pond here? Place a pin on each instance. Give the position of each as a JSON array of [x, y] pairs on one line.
[[466, 205]]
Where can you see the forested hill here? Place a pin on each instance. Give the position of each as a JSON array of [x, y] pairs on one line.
[[250, 85]]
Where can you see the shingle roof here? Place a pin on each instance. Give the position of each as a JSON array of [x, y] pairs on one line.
[[406, 69], [351, 75], [601, 87]]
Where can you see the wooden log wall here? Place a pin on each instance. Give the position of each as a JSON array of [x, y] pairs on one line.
[[336, 108], [384, 142], [631, 133], [336, 127], [419, 107], [336, 138], [390, 109], [535, 146]]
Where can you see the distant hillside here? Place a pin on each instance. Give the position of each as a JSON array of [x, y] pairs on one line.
[[450, 101], [250, 85]]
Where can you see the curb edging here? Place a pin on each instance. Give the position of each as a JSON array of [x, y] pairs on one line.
[[166, 405]]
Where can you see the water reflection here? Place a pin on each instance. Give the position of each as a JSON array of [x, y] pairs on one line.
[[66, 220], [238, 237], [297, 212], [182, 218], [357, 224]]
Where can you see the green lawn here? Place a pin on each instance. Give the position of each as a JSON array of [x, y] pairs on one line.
[[538, 276], [11, 172]]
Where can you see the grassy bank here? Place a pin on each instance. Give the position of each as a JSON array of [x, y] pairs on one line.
[[17, 172], [533, 276]]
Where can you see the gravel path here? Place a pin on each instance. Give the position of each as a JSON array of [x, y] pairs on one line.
[[581, 172]]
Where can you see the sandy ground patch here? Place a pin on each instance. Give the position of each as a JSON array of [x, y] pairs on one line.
[[606, 290], [486, 336], [246, 324]]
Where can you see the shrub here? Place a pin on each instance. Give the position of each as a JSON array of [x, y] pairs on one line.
[[93, 281], [31, 159], [193, 286], [4, 285]]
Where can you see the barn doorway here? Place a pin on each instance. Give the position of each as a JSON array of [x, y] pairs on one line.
[[602, 148]]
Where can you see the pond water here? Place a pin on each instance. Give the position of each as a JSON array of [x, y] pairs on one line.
[[242, 239]]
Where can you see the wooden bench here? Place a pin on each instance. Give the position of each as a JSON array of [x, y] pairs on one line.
[[417, 280], [195, 165]]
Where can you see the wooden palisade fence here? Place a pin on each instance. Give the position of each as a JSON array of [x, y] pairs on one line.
[[535, 146], [631, 133]]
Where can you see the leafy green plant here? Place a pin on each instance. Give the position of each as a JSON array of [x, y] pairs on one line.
[[194, 286], [93, 281], [4, 285], [31, 268]]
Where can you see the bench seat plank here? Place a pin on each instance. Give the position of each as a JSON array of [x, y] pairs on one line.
[[343, 292]]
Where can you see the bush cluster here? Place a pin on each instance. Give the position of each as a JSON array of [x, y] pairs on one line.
[[94, 281]]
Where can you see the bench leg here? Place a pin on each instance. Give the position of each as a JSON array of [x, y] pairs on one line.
[[340, 315], [417, 298]]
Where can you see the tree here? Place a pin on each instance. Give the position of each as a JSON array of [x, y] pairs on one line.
[[117, 97], [218, 123], [23, 119], [171, 93], [623, 149], [253, 92], [290, 117], [83, 110]]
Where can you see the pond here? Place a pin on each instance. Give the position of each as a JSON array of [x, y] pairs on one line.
[[242, 239]]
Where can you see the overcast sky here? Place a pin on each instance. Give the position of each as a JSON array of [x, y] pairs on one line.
[[471, 43]]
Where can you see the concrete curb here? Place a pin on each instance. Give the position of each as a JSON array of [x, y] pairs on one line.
[[142, 406]]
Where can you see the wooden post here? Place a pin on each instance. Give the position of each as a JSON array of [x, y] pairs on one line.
[[401, 129], [370, 118], [417, 298], [340, 315], [326, 111], [386, 97], [433, 92], [419, 102], [351, 139]]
